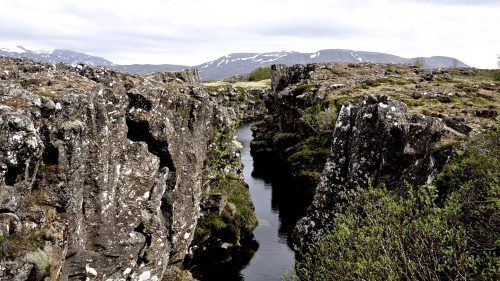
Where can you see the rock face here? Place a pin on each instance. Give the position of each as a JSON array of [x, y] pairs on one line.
[[244, 104], [375, 141], [100, 172]]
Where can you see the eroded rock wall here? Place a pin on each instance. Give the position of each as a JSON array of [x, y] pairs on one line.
[[387, 121], [100, 172], [375, 142]]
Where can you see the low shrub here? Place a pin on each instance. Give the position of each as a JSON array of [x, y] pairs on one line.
[[448, 230]]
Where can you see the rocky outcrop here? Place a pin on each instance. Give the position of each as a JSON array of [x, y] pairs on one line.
[[375, 142], [100, 172], [384, 139], [243, 103]]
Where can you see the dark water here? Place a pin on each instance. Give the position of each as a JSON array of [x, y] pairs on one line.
[[277, 213], [278, 205]]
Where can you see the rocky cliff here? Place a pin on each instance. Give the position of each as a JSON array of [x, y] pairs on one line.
[[100, 172], [338, 127], [375, 142]]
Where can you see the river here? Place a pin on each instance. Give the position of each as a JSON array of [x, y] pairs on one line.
[[278, 205], [273, 255]]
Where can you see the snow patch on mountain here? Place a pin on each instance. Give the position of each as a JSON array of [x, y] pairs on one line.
[[12, 49]]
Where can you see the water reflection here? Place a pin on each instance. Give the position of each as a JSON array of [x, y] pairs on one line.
[[278, 205], [277, 208]]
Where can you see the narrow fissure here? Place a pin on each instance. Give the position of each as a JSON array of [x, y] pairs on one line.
[[140, 131]]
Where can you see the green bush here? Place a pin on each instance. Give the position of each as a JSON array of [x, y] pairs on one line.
[[449, 230], [320, 117], [496, 75], [261, 73]]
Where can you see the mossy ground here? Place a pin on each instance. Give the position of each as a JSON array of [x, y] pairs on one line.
[[238, 218]]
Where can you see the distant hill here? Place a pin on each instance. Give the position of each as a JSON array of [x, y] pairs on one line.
[[148, 68], [233, 64], [240, 63], [58, 55]]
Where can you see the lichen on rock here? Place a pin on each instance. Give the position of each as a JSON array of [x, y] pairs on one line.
[[102, 169]]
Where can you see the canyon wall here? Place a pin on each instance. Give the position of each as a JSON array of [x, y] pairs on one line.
[[340, 128], [101, 172]]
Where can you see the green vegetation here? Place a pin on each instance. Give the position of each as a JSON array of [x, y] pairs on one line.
[[261, 73], [303, 88], [238, 217], [243, 96], [304, 154], [481, 102], [220, 154], [449, 99], [443, 231], [384, 80], [40, 259], [308, 157], [15, 245], [496, 75], [445, 79], [320, 117]]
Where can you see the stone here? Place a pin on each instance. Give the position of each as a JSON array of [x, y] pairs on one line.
[[214, 203], [458, 125], [374, 137], [104, 170], [486, 113]]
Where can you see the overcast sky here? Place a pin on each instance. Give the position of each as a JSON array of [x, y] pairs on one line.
[[191, 32]]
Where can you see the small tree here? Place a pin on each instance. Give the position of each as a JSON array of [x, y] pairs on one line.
[[420, 62], [260, 73]]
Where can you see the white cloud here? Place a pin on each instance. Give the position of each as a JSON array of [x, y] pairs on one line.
[[195, 31]]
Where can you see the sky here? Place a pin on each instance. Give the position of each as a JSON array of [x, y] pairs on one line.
[[191, 32]]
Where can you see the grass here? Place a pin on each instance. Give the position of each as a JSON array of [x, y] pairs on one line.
[[243, 84], [481, 102], [450, 99], [495, 74], [261, 84], [384, 80], [304, 88]]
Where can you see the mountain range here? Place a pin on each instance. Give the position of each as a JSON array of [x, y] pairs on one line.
[[233, 64]]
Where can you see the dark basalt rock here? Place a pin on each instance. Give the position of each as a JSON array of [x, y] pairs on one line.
[[100, 171], [375, 141]]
